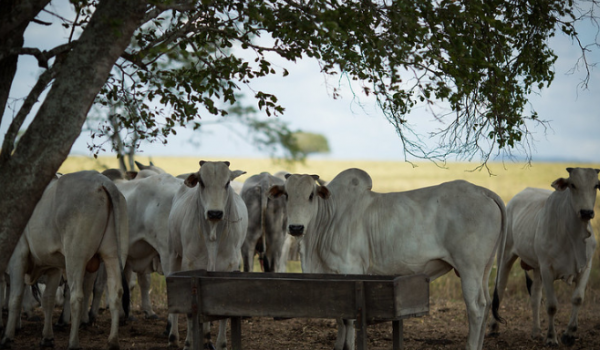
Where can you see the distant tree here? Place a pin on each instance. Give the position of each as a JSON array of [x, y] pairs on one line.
[[481, 58], [310, 143]]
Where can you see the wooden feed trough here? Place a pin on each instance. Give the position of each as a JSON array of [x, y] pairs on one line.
[[369, 299]]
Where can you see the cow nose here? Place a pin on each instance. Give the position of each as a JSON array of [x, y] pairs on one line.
[[215, 214], [586, 214], [296, 230]]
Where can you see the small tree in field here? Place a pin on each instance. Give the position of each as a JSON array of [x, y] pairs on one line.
[[311, 143], [174, 59]]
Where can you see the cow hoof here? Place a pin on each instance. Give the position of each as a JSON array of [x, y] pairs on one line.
[[567, 340], [551, 343], [493, 334], [151, 317], [47, 343], [173, 341], [209, 346]]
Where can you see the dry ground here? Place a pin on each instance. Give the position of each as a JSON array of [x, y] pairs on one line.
[[444, 328]]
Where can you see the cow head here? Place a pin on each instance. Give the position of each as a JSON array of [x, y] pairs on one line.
[[582, 185], [301, 194], [213, 181]]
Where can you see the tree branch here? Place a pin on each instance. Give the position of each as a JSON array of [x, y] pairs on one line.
[[8, 144]]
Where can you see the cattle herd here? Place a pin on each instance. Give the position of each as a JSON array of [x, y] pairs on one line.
[[95, 231]]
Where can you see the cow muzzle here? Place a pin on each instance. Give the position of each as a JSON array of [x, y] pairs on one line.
[[586, 215], [296, 230], [214, 215]]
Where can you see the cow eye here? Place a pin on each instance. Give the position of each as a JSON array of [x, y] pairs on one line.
[[311, 197], [227, 184], [573, 186]]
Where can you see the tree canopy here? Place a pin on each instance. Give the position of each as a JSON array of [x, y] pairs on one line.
[[175, 61]]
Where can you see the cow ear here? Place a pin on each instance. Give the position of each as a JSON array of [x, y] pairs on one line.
[[560, 184], [276, 191], [569, 170], [130, 175], [323, 192], [202, 162], [235, 174], [597, 171], [315, 177], [227, 163], [192, 180], [287, 176]]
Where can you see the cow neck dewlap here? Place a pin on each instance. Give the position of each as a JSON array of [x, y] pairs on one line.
[[321, 237]]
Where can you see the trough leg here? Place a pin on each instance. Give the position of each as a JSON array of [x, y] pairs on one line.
[[361, 322], [236, 333], [398, 334]]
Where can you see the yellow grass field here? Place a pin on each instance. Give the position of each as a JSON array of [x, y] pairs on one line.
[[507, 180]]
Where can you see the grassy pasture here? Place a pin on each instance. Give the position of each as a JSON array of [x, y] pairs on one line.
[[507, 180]]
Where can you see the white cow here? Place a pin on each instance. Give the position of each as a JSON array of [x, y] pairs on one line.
[[207, 226], [347, 228], [551, 232], [266, 224], [80, 220]]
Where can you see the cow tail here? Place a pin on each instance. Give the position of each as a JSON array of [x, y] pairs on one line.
[[499, 257], [263, 212], [114, 194]]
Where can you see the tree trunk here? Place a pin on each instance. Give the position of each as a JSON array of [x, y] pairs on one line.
[[15, 15], [46, 143]]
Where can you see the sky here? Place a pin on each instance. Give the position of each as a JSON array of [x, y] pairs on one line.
[[355, 129]]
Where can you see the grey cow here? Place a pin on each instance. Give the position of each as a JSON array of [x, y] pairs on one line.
[[266, 223]]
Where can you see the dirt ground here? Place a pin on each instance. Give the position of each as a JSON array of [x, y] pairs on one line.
[[444, 328]]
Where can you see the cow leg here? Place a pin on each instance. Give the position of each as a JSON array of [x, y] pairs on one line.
[[222, 336], [173, 319], [115, 295], [144, 283], [2, 298], [476, 303], [568, 337], [48, 301], [484, 297], [75, 277], [98, 290], [248, 256], [341, 335], [551, 305], [173, 329], [535, 300], [502, 279], [88, 286], [17, 286], [65, 316]]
